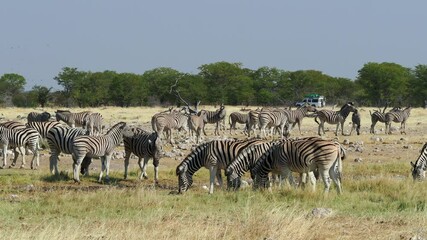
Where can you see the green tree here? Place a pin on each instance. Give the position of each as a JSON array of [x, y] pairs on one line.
[[12, 84], [418, 85], [220, 77], [384, 82], [69, 78], [42, 94], [159, 82], [269, 84]]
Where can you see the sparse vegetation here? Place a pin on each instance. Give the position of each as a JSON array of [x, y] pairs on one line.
[[380, 200]]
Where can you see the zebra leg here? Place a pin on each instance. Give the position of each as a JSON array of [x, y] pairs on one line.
[[212, 170], [319, 128], [4, 153], [107, 174], [336, 176], [22, 151], [336, 130], [127, 156], [326, 179], [156, 169], [144, 168], [35, 162], [77, 161], [312, 179], [102, 169], [53, 162]]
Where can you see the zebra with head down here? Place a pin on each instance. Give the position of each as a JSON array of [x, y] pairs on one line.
[[419, 168], [214, 155]]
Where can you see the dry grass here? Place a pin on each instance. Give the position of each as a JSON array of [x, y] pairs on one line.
[[380, 200]]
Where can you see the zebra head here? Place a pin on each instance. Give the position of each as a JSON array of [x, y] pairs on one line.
[[233, 180], [185, 180], [420, 166], [418, 172]]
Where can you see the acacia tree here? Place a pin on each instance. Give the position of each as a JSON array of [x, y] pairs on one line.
[[42, 94]]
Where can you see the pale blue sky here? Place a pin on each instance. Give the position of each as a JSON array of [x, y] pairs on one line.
[[39, 37]]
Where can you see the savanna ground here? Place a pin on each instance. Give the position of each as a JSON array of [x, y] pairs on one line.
[[380, 200]]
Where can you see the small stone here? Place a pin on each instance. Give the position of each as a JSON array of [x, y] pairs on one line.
[[321, 212]]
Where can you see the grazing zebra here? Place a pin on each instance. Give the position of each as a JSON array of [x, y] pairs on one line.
[[237, 117], [98, 146], [214, 155], [60, 139], [253, 121], [196, 124], [143, 145], [378, 116], [245, 161], [397, 116], [168, 122], [93, 123], [42, 127], [19, 140], [334, 117], [38, 117], [302, 156], [214, 117], [72, 119], [355, 119], [273, 119], [296, 116], [420, 166]]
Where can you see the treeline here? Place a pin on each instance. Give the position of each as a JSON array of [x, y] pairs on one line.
[[222, 82]]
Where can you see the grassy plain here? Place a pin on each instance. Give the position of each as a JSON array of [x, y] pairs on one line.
[[380, 200]]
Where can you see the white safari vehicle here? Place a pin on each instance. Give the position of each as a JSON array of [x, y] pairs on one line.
[[313, 99]]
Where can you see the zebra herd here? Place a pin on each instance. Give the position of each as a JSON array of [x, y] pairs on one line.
[[83, 138]]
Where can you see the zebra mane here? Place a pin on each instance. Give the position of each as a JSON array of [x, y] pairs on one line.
[[117, 125]]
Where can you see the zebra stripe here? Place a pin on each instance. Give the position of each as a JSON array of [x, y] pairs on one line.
[[420, 166], [215, 117], [72, 119], [296, 116], [38, 117], [237, 117], [245, 161], [18, 139], [143, 145], [334, 117], [98, 146], [397, 116], [214, 155], [93, 123], [60, 139], [273, 119], [169, 122], [302, 156], [42, 127], [13, 125]]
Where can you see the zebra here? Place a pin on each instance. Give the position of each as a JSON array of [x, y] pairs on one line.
[[245, 161], [237, 117], [19, 140], [302, 156], [60, 139], [143, 145], [98, 146], [334, 117], [273, 119], [378, 116], [397, 116], [215, 117], [13, 125], [196, 124], [38, 117], [253, 121], [420, 166], [72, 119], [355, 119], [296, 116], [93, 122], [168, 122], [214, 155]]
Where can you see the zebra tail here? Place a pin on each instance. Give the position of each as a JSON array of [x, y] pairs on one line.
[[315, 119]]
